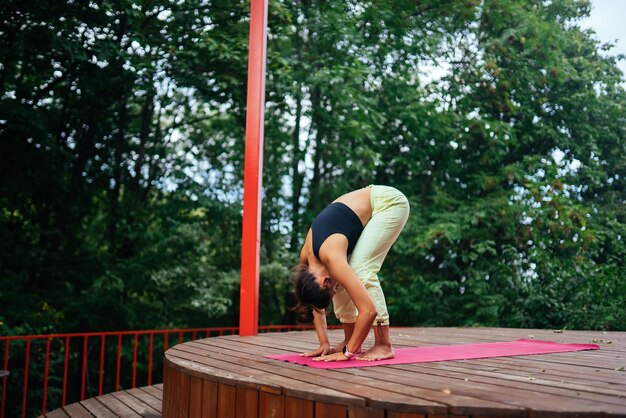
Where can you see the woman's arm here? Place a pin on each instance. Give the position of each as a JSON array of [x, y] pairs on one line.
[[319, 320], [340, 270]]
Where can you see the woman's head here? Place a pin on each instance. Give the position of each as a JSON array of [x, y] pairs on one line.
[[312, 292]]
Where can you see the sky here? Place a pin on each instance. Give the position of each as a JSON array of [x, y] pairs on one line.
[[608, 20]]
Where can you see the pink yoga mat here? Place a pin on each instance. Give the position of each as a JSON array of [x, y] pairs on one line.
[[446, 352]]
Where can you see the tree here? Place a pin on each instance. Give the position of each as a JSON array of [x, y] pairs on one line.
[[122, 141]]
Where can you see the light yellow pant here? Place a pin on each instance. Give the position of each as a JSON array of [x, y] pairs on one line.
[[390, 211]]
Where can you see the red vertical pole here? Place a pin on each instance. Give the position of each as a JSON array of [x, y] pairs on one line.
[[150, 356], [101, 378], [83, 372], [65, 361], [45, 377], [26, 363], [4, 379], [135, 346], [119, 362], [253, 169]]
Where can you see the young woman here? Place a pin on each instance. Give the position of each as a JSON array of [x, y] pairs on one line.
[[342, 254]]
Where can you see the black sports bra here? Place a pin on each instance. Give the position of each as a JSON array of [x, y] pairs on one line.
[[336, 218]]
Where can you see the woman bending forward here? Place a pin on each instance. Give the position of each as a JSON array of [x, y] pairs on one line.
[[342, 254]]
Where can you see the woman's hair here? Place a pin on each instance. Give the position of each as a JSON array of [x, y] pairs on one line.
[[309, 294]]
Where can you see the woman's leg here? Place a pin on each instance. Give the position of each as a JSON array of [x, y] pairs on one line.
[[382, 348], [390, 211], [348, 328], [346, 312]]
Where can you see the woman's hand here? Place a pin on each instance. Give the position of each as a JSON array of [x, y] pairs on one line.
[[332, 357], [323, 350]]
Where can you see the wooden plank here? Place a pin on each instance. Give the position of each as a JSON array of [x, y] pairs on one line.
[[168, 385], [492, 331], [183, 405], [536, 401], [298, 408], [514, 379], [97, 409], [146, 398], [303, 342], [195, 397], [76, 410], [177, 378], [598, 379], [154, 391], [226, 401], [271, 405], [330, 410], [247, 403], [462, 337], [448, 416], [394, 414], [209, 399], [117, 407], [57, 413], [510, 381], [171, 392], [539, 334], [366, 412], [136, 405]]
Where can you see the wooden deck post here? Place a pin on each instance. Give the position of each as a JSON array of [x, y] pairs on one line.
[[253, 170]]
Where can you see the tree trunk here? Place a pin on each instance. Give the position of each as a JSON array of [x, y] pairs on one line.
[[147, 114], [118, 144]]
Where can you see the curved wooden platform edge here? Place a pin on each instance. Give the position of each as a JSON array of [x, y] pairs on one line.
[[228, 377], [143, 402], [222, 394]]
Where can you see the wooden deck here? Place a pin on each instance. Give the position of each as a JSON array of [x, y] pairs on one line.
[[227, 377], [142, 402]]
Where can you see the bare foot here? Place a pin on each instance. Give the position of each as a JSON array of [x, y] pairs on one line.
[[378, 352], [339, 348]]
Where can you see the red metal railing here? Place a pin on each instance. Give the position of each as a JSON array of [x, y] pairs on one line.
[[44, 354]]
